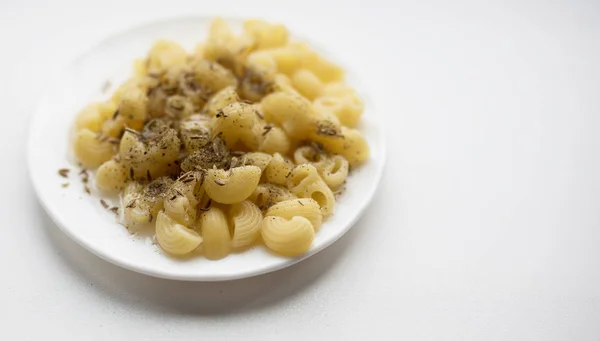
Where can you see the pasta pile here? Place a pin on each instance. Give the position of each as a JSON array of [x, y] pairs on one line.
[[246, 138]]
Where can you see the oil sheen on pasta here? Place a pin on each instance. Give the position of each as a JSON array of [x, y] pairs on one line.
[[248, 136]]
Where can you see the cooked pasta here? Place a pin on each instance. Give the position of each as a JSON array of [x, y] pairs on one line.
[[232, 186], [165, 54], [220, 100], [278, 170], [309, 85], [304, 207], [266, 35], [175, 238], [305, 182], [306, 155], [215, 231], [194, 133], [258, 159], [273, 140], [268, 194], [245, 218], [183, 198], [292, 112], [91, 150], [261, 61], [347, 109], [286, 237], [244, 138], [234, 123], [349, 143], [92, 117], [333, 170], [111, 177]]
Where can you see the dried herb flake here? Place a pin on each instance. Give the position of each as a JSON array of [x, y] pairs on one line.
[[64, 172]]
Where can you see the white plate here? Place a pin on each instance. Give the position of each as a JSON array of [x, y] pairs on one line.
[[83, 218]]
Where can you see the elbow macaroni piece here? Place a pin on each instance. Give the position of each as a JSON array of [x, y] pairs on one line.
[[92, 117], [350, 144], [175, 238], [268, 194], [261, 61], [165, 54], [235, 123], [306, 154], [215, 231], [282, 83], [132, 108], [266, 35], [292, 112], [183, 197], [111, 177], [324, 69], [210, 76], [278, 170], [258, 159], [194, 133], [273, 140], [246, 219], [90, 150], [333, 171], [142, 203], [304, 207], [309, 85], [347, 109], [220, 100], [150, 157], [290, 237], [232, 186], [305, 182], [288, 58]]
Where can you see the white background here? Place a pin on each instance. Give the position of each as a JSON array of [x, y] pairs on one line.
[[486, 226]]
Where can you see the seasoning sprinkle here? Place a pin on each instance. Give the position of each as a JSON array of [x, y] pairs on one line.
[[87, 189], [115, 210], [65, 185], [259, 114], [64, 172], [84, 176], [150, 217], [131, 204], [188, 179], [267, 129], [300, 202], [131, 173], [104, 204], [148, 175], [116, 113], [219, 182], [220, 113], [133, 131]]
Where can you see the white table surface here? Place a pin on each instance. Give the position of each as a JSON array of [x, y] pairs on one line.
[[486, 226]]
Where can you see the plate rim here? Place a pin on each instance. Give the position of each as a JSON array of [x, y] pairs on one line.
[[148, 270]]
